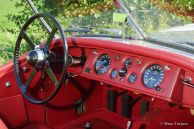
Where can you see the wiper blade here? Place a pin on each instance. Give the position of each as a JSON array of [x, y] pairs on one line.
[[79, 30], [86, 29], [175, 45], [106, 36], [190, 43]]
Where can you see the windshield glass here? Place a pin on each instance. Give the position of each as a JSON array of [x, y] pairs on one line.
[[162, 20], [168, 21], [95, 16]]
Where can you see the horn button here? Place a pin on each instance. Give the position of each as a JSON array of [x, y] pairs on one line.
[[37, 58]]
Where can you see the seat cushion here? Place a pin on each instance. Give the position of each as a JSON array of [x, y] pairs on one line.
[[2, 125], [36, 126]]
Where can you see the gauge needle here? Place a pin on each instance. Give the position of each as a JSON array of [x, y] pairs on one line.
[[102, 65], [133, 77], [150, 80]]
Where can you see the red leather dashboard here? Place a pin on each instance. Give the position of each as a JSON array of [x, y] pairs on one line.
[[176, 67]]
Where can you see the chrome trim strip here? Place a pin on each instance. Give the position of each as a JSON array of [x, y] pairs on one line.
[[132, 21]]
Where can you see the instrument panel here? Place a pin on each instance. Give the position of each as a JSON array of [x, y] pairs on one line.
[[133, 72], [152, 76]]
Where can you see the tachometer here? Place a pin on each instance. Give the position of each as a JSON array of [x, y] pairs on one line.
[[153, 76], [102, 64]]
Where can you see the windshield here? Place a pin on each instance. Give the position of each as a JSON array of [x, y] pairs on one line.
[[168, 21], [160, 20], [89, 17]]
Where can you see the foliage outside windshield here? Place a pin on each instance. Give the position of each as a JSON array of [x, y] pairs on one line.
[[153, 16], [95, 15], [164, 20]]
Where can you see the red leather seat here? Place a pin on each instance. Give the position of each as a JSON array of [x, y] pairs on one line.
[[36, 126], [2, 125]]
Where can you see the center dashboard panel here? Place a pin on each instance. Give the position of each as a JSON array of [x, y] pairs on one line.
[[135, 73]]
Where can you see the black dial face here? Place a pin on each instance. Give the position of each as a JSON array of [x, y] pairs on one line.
[[102, 64], [132, 78], [128, 62], [123, 72], [153, 76]]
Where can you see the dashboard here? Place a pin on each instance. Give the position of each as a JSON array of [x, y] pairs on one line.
[[136, 68], [132, 72]]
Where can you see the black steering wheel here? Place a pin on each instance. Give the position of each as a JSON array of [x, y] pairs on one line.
[[38, 57]]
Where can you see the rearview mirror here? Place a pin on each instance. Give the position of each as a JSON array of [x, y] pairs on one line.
[[119, 17]]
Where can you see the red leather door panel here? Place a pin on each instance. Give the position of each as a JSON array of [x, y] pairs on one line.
[[12, 107]]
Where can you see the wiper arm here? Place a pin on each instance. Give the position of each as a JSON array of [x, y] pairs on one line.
[[86, 29], [190, 43]]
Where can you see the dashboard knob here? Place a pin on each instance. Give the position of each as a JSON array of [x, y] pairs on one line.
[[123, 72]]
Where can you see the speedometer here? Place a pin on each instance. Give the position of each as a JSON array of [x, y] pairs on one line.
[[153, 76], [102, 64]]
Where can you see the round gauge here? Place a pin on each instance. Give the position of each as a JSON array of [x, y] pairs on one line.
[[127, 62], [102, 64], [123, 72], [132, 78], [153, 76], [114, 73]]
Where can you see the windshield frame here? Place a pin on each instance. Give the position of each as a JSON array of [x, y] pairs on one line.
[[122, 8]]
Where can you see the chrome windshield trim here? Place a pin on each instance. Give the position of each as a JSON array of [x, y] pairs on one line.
[[35, 11], [132, 21]]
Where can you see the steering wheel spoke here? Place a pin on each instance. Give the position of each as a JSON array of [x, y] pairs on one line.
[[51, 36], [51, 75], [28, 40], [30, 78]]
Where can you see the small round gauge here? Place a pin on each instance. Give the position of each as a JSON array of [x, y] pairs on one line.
[[153, 76], [132, 78], [102, 64], [127, 62], [123, 72], [114, 73]]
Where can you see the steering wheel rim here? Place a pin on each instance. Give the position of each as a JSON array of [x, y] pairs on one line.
[[23, 35]]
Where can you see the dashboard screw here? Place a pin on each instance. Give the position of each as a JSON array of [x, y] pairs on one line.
[[25, 69], [121, 79], [95, 52], [7, 84], [158, 88], [138, 61], [88, 125], [167, 67], [117, 57], [88, 70]]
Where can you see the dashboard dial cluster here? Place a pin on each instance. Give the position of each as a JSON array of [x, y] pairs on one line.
[[152, 76]]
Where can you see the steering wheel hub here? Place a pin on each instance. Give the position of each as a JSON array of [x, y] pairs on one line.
[[36, 58]]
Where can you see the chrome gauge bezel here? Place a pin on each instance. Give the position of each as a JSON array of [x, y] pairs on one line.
[[156, 80], [105, 69]]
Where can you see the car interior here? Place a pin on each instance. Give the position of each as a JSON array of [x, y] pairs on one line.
[[70, 82]]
